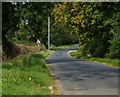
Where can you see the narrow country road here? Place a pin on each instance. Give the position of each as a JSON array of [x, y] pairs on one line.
[[80, 77]]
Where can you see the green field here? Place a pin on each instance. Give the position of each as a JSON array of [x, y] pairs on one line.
[[110, 62], [27, 75]]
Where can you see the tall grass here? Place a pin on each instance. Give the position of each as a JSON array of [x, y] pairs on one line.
[[26, 75]]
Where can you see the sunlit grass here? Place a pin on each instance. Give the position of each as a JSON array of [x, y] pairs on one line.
[[111, 62], [26, 75], [62, 47]]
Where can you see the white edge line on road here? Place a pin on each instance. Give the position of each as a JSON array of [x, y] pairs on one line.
[[88, 60], [70, 52]]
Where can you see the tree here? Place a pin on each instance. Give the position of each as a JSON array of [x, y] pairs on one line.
[[36, 15], [9, 24], [94, 23], [115, 47]]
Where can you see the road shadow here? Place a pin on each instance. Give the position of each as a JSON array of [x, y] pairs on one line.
[[61, 60], [81, 70], [81, 73]]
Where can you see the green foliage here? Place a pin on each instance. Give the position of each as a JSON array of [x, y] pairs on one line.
[[35, 13], [94, 23], [10, 19], [26, 21], [60, 35], [96, 47], [115, 47]]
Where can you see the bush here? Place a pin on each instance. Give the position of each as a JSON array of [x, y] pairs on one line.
[[97, 47], [115, 47]]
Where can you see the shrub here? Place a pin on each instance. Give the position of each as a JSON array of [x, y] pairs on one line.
[[115, 47], [97, 47]]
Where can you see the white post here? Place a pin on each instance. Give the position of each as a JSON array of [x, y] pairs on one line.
[[48, 32]]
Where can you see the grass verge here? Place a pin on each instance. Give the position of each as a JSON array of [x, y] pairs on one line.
[[27, 75], [110, 62], [62, 47]]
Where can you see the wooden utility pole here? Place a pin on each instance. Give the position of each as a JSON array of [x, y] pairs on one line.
[[48, 32]]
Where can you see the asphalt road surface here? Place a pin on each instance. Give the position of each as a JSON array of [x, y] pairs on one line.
[[80, 77]]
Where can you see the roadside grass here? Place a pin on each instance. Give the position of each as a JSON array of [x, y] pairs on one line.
[[62, 47], [110, 62], [27, 75]]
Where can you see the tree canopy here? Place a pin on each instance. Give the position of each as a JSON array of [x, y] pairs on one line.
[[94, 25]]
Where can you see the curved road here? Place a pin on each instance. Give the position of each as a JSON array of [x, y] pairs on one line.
[[80, 77]]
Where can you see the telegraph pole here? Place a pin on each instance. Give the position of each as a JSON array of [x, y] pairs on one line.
[[48, 32]]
